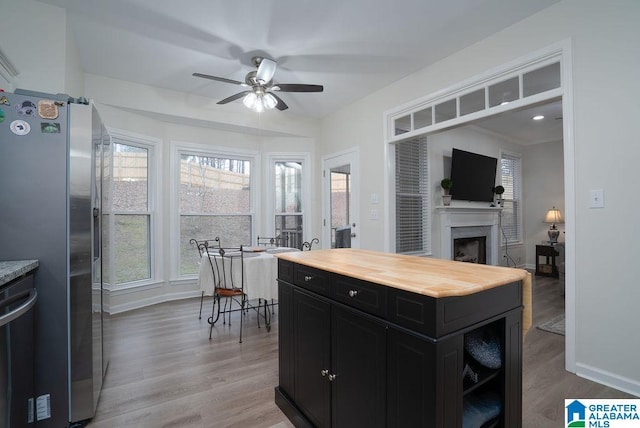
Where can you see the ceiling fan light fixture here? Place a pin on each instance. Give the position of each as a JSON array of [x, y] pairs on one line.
[[269, 101], [250, 100]]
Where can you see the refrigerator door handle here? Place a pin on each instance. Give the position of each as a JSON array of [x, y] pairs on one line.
[[20, 310]]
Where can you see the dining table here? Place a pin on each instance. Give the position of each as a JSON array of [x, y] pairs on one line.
[[260, 274]]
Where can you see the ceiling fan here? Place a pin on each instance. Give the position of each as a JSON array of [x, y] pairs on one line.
[[261, 95]]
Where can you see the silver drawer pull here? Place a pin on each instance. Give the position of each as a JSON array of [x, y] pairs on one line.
[[353, 293], [307, 278], [332, 377], [324, 372]]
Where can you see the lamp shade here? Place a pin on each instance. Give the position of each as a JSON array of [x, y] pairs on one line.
[[553, 216]]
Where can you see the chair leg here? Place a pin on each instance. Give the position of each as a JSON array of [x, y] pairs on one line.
[[211, 320], [241, 317], [201, 300]]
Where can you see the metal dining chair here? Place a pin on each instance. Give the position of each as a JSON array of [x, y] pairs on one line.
[[204, 246], [224, 261], [306, 245], [278, 241]]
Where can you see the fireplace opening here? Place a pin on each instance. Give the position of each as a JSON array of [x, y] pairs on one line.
[[471, 250]]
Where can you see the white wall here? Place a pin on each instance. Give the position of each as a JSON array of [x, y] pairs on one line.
[[604, 39], [543, 171], [33, 37]]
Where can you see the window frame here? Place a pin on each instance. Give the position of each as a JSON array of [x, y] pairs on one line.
[[178, 148], [518, 185], [267, 226], [154, 201], [426, 196]]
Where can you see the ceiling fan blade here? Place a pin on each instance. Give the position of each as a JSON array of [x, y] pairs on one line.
[[281, 104], [295, 87], [266, 70], [219, 79], [233, 97]]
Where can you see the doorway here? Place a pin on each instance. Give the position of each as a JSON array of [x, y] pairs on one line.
[[340, 201]]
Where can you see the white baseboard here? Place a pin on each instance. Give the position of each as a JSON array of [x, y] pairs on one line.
[[612, 380], [150, 294]]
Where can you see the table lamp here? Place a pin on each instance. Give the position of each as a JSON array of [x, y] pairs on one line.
[[553, 217]]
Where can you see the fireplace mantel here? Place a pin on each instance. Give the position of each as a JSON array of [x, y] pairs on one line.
[[487, 218]]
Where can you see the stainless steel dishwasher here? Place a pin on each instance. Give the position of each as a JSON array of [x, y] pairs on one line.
[[17, 300]]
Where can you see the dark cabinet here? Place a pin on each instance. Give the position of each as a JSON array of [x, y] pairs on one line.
[[356, 354], [339, 366]]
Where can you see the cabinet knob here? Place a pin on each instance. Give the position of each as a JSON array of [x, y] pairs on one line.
[[353, 293], [332, 377], [324, 372], [307, 278]]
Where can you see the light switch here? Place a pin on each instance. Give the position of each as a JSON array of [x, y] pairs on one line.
[[374, 198], [596, 198]]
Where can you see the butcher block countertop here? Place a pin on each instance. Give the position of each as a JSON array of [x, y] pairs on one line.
[[427, 276]]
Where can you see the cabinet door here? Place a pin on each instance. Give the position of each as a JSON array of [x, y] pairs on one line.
[[359, 366], [312, 318], [424, 381]]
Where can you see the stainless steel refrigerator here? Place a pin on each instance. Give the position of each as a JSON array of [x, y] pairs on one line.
[[51, 149]]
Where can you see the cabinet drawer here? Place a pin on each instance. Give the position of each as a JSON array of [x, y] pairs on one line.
[[312, 279], [362, 295], [285, 270]]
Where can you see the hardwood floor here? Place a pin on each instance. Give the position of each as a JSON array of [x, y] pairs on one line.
[[164, 371]]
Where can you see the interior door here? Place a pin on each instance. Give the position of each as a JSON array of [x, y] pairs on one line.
[[341, 216]]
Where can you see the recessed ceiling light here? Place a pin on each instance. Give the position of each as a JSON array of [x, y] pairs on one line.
[[538, 117]]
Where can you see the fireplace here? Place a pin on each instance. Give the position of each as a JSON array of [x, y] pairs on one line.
[[475, 229], [471, 250]]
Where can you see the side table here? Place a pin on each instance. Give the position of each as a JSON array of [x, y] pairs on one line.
[[548, 268]]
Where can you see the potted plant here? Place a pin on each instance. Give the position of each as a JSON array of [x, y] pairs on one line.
[[499, 190], [446, 185]]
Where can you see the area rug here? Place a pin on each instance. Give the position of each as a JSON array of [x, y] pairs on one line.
[[554, 325]]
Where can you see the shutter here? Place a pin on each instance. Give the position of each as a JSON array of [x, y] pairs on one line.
[[511, 181], [412, 196]]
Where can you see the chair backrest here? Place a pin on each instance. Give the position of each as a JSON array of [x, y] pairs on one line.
[[306, 245], [203, 245], [278, 241], [228, 267]]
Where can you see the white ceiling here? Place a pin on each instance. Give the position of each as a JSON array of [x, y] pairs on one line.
[[352, 47]]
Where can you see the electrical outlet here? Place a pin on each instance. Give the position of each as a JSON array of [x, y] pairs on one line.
[[596, 198], [374, 214]]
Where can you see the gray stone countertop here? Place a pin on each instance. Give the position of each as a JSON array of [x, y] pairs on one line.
[[10, 270]]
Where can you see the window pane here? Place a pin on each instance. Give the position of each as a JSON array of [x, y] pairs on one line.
[[402, 125], [290, 227], [510, 180], [130, 178], [214, 185], [471, 103], [541, 80], [422, 118], [504, 92], [446, 111], [233, 231], [412, 196], [288, 187], [131, 248]]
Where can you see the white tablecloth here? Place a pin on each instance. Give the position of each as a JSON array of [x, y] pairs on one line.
[[260, 273]]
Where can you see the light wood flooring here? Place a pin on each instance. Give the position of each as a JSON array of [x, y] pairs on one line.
[[165, 372]]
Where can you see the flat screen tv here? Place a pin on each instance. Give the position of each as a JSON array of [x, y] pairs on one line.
[[473, 176]]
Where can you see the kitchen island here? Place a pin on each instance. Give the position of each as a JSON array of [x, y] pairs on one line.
[[386, 340]]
